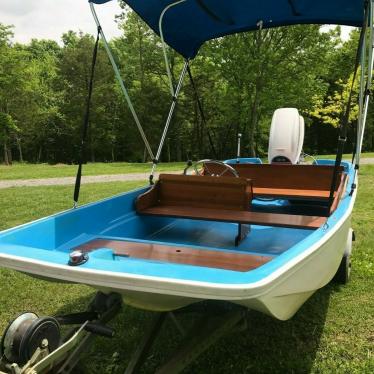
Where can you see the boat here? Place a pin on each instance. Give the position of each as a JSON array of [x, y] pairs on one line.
[[265, 236]]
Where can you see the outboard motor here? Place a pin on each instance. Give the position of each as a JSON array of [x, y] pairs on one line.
[[286, 136]]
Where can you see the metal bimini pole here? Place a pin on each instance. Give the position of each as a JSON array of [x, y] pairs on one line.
[[164, 45], [366, 92], [174, 93], [120, 81], [360, 101], [168, 120]]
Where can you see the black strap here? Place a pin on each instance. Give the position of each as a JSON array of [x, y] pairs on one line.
[[345, 120], [355, 142], [201, 110], [86, 120]]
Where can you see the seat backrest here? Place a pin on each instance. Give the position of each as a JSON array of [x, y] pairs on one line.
[[199, 191], [205, 192], [303, 177]]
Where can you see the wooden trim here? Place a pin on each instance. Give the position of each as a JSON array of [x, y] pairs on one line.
[[247, 217], [197, 191], [283, 176], [148, 199], [291, 193], [179, 255], [339, 193]]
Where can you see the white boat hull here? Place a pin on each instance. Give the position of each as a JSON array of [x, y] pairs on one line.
[[280, 297]]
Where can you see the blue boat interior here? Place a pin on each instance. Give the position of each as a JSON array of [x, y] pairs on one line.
[[115, 219]]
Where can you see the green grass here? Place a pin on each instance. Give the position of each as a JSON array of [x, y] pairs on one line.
[[19, 205], [32, 171], [332, 333], [348, 156]]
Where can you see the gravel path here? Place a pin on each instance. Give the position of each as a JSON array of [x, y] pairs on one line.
[[366, 161], [71, 180], [97, 178]]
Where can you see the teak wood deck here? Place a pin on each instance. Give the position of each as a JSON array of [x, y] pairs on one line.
[[178, 254]]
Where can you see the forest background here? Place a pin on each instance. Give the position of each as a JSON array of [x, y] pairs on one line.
[[241, 79]]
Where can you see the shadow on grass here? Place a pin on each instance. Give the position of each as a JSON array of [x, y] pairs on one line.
[[267, 346]]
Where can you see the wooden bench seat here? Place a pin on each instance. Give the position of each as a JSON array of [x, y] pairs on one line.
[[223, 199], [244, 217], [178, 254], [294, 182], [196, 191], [290, 181]]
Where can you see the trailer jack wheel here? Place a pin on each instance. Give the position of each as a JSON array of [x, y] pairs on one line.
[[25, 334], [33, 345]]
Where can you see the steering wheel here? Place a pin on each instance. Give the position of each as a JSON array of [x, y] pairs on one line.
[[304, 159], [212, 168]]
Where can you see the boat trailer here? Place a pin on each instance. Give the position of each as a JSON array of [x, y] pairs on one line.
[[33, 345]]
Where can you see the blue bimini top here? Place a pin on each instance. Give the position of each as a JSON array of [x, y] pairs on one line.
[[190, 23]]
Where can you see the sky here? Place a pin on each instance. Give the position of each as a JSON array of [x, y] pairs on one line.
[[49, 19]]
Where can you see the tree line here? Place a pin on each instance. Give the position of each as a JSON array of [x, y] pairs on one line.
[[241, 79]]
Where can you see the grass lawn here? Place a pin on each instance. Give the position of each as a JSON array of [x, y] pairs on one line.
[[32, 171], [332, 333], [348, 156]]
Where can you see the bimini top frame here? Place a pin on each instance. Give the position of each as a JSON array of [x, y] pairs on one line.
[[174, 92]]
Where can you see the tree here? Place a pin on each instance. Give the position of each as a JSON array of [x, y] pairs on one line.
[[327, 111], [8, 129], [13, 82], [241, 79], [141, 61], [74, 75], [39, 115], [261, 71], [332, 108]]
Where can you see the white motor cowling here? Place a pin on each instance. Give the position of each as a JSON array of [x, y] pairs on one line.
[[286, 136]]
